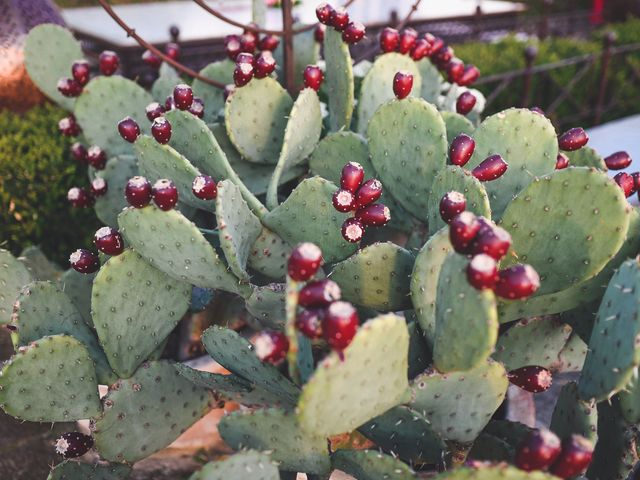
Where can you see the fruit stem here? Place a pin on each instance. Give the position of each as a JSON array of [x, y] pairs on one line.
[[291, 307]]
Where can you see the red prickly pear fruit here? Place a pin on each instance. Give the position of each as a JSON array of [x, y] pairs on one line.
[[84, 261], [518, 281], [469, 76], [443, 56], [271, 346], [538, 450], [245, 58], [420, 49], [313, 77], [537, 110], [269, 43], [182, 96], [318, 33], [81, 72], [79, 197], [264, 64], [232, 46], [165, 194], [96, 157], [626, 183], [324, 12], [389, 40], [402, 84], [482, 272], [574, 458], [73, 444], [319, 293], [69, 87], [436, 44], [249, 39], [309, 322], [99, 187], [172, 50], [169, 103], [531, 378], [461, 149], [154, 110], [352, 176], [636, 179], [129, 129], [352, 230], [340, 324], [161, 130], [108, 240], [463, 229], [304, 262], [339, 19], [108, 62], [204, 187], [353, 33], [151, 59], [618, 161], [491, 239], [369, 192], [68, 126], [408, 39], [79, 152], [465, 103], [197, 107], [452, 204], [138, 192], [375, 215], [455, 69], [228, 90], [573, 139], [490, 168], [343, 201], [562, 161]]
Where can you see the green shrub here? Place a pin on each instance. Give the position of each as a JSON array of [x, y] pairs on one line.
[[35, 173]]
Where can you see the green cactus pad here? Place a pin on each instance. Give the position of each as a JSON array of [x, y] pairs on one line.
[[49, 52], [453, 178], [377, 85], [167, 79], [460, 404], [535, 341], [104, 102], [174, 245], [13, 276], [39, 265], [492, 449], [614, 353], [420, 356], [278, 432], [300, 138], [511, 432], [253, 465], [116, 173], [574, 416], [236, 355], [135, 306], [432, 81], [269, 254], [71, 470], [586, 157], [629, 404], [456, 124], [256, 119], [408, 146], [526, 140], [339, 83], [213, 97], [147, 412], [466, 319], [78, 287], [424, 281], [238, 227], [308, 216], [557, 211], [371, 465], [571, 357], [51, 380], [372, 376], [501, 471], [267, 305], [376, 277], [407, 434]]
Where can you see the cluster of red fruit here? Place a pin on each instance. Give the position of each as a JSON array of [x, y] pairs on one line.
[[81, 197], [107, 240], [338, 18], [461, 151], [249, 63], [357, 196], [171, 50]]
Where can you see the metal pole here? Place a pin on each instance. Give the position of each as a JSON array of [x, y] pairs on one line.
[[289, 60], [609, 39], [530, 54]]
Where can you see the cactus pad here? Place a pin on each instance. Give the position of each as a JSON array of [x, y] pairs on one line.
[[213, 97], [629, 405], [51, 380], [586, 157], [254, 465], [372, 376], [420, 356], [456, 124], [167, 79], [432, 81], [78, 287], [71, 470], [13, 276], [339, 83], [116, 173], [574, 416], [269, 254], [267, 305], [501, 471], [371, 465], [39, 265]]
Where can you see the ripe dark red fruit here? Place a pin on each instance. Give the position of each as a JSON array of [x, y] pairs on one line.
[[491, 239], [389, 40], [436, 44], [242, 74], [573, 139], [353, 32], [169, 103], [369, 192], [455, 69], [80, 71], [375, 215], [490, 168], [129, 129], [538, 450], [402, 84], [452, 204], [343, 201], [245, 58], [304, 261], [482, 272], [323, 12], [442, 56], [269, 42], [469, 76], [408, 39], [183, 96], [352, 230], [636, 179], [618, 161], [340, 325], [313, 77], [318, 33], [531, 378], [461, 149], [151, 59], [138, 192], [79, 197], [537, 110], [204, 187], [108, 62], [271, 346], [99, 187], [465, 103], [197, 107], [165, 194], [420, 50], [339, 19], [463, 229], [264, 64], [574, 458], [161, 130], [172, 50], [73, 444], [69, 87], [79, 152], [351, 176], [154, 110], [319, 293], [68, 126], [249, 39], [108, 240], [309, 322], [232, 46], [84, 261], [518, 281], [562, 161], [96, 157], [626, 183]]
